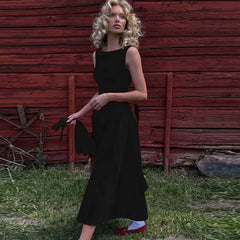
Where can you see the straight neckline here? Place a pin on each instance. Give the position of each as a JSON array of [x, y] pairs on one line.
[[112, 51]]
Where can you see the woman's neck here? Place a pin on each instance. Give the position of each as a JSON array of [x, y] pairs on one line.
[[112, 43]]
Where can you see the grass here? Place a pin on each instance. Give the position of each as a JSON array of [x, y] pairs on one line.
[[42, 205]]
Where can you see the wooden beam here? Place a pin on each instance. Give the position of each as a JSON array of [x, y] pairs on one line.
[[22, 114], [168, 121], [71, 109]]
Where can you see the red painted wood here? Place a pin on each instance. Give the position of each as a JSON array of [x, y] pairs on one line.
[[160, 10], [151, 136], [56, 59], [196, 28], [163, 41], [168, 121], [191, 63], [152, 156], [191, 51], [206, 138], [20, 41], [206, 117], [71, 110], [152, 116], [60, 48], [83, 20], [206, 102], [23, 4], [48, 10], [46, 68], [53, 82], [46, 31]]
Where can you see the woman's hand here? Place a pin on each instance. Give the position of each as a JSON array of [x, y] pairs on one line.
[[72, 118], [100, 101]]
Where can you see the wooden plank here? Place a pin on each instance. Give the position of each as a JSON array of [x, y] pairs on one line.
[[164, 41], [152, 156], [206, 138], [34, 102], [191, 51], [195, 80], [151, 137], [207, 80], [46, 49], [196, 28], [168, 121], [152, 116], [62, 157], [77, 58], [83, 20], [46, 68], [21, 114], [44, 81], [79, 9], [163, 10], [47, 32], [155, 79], [206, 102], [32, 94], [23, 4], [207, 92], [186, 157], [191, 63], [206, 117], [21, 41], [71, 110]]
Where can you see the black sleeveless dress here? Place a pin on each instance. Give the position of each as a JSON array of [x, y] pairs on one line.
[[116, 188]]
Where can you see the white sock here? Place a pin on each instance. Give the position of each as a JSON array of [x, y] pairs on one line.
[[136, 224]]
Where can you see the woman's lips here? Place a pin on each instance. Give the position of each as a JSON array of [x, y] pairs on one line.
[[116, 26]]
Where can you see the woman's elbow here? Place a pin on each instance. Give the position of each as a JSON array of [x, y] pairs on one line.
[[145, 96]]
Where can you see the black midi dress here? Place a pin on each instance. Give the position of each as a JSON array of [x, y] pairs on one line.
[[116, 188]]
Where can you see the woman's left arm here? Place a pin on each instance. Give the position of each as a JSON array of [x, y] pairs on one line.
[[134, 64]]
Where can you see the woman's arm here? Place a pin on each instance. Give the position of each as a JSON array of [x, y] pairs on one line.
[[134, 64], [81, 113]]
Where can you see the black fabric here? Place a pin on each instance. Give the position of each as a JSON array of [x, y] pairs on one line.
[[60, 124], [83, 141], [116, 188]]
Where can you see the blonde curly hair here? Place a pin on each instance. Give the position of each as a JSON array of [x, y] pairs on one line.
[[132, 30]]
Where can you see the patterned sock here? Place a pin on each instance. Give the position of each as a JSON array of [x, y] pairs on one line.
[[136, 224]]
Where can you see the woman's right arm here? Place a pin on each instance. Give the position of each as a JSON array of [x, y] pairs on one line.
[[81, 113]]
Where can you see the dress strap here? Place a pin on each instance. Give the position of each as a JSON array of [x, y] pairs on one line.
[[127, 47]]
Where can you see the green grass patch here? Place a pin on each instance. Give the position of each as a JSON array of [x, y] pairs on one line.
[[44, 204]]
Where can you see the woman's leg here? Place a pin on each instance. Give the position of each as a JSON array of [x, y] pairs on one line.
[[87, 232]]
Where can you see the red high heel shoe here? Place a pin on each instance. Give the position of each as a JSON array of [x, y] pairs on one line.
[[124, 230]]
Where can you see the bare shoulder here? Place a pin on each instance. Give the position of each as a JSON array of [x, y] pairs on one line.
[[132, 52], [132, 56]]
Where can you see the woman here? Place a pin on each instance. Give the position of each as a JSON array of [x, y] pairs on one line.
[[117, 186]]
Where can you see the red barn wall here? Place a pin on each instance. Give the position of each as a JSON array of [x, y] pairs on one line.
[[43, 43]]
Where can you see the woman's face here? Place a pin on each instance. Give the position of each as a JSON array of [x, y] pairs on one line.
[[116, 20]]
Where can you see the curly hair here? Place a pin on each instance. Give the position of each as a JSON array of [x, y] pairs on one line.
[[132, 30]]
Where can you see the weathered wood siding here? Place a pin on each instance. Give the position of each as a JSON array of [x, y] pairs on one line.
[[198, 42], [43, 43]]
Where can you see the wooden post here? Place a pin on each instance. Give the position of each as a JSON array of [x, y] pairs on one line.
[[71, 109], [168, 121]]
